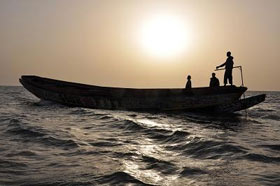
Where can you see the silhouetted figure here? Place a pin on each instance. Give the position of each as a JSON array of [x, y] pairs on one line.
[[228, 66], [214, 82], [189, 83]]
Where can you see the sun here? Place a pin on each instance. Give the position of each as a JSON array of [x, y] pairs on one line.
[[164, 36]]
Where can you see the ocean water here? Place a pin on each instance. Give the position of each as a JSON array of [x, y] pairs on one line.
[[43, 143]]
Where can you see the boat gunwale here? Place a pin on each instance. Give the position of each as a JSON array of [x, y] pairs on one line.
[[85, 87]]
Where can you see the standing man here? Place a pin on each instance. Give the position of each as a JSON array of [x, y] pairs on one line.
[[228, 66]]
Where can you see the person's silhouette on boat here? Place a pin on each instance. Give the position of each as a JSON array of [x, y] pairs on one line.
[[214, 82], [189, 83], [228, 66]]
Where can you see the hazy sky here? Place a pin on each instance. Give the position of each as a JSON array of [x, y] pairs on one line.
[[99, 41]]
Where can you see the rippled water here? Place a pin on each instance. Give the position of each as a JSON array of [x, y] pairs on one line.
[[42, 143]]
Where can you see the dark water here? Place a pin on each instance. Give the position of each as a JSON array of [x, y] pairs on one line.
[[42, 143]]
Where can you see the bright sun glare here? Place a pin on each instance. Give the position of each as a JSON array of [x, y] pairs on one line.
[[164, 36]]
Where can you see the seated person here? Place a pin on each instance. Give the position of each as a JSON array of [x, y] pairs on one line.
[[189, 83], [214, 82]]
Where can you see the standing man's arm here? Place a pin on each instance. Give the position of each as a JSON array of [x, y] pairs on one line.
[[221, 65]]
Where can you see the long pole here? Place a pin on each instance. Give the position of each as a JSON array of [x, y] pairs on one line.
[[240, 67], [242, 76]]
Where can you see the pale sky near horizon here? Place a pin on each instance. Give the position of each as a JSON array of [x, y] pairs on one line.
[[99, 41]]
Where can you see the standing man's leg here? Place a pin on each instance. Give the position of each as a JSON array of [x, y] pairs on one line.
[[225, 77], [230, 76]]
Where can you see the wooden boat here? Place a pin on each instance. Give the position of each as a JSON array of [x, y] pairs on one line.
[[217, 99]]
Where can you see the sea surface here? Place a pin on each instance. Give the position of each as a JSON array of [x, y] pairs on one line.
[[43, 143]]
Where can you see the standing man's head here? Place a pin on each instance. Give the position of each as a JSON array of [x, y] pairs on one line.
[[228, 53], [189, 77], [213, 75]]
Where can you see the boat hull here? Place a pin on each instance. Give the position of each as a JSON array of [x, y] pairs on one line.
[[238, 105], [89, 96]]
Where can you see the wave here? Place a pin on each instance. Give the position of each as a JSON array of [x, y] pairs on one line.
[[159, 134], [214, 151], [272, 117], [198, 148], [259, 109], [13, 173], [162, 166], [36, 134], [18, 127], [25, 153], [272, 147], [64, 143], [261, 158], [82, 112], [175, 137], [60, 183], [270, 179], [105, 144], [11, 164], [105, 117], [129, 125], [119, 178], [124, 154], [197, 119], [189, 171], [82, 152], [5, 118]]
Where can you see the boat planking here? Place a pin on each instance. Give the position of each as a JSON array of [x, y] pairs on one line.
[[98, 97]]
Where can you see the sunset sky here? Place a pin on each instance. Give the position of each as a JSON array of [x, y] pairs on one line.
[[140, 43]]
